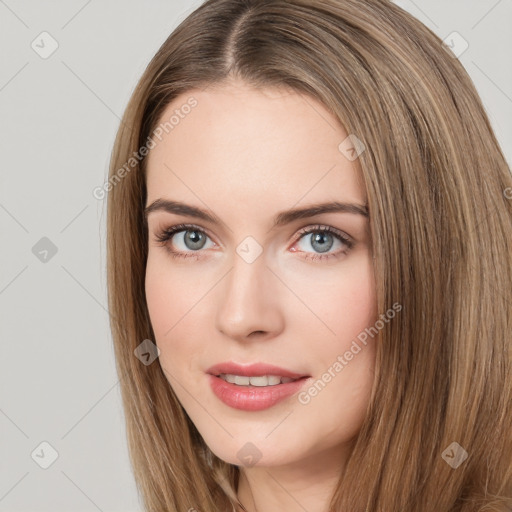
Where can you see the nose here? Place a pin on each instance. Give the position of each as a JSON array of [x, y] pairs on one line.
[[248, 307]]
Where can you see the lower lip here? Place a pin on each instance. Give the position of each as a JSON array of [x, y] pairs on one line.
[[254, 398]]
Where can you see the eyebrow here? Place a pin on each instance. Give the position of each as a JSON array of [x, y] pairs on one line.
[[280, 219]]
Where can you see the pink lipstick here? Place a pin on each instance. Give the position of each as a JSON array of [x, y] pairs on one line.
[[253, 387]]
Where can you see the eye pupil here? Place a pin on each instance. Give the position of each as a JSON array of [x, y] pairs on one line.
[[320, 238], [195, 238]]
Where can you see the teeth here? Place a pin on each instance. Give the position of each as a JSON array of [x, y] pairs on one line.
[[271, 380], [241, 381], [264, 380]]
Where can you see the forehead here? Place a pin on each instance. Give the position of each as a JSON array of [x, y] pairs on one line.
[[262, 147]]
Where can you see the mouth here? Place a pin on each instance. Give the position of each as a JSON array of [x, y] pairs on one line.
[[254, 375], [256, 381], [256, 387]]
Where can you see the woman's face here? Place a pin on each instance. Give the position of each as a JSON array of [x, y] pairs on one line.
[[245, 289]]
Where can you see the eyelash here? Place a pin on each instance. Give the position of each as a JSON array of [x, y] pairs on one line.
[[163, 236]]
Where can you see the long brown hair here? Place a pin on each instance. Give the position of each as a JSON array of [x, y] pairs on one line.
[[439, 195]]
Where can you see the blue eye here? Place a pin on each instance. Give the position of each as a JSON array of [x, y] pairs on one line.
[[193, 239], [322, 238]]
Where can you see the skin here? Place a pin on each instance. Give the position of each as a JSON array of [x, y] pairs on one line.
[[245, 155]]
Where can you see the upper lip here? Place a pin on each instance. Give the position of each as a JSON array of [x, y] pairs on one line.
[[252, 370]]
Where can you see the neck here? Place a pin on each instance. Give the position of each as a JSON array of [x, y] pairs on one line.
[[302, 485]]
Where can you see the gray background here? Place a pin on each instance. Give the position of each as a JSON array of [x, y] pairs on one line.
[[58, 117]]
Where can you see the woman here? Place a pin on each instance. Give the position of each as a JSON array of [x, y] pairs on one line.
[[309, 254]]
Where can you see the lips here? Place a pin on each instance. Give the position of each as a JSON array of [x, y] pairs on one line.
[[254, 398], [253, 370], [251, 399]]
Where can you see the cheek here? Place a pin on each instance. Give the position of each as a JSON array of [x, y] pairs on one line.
[[349, 308], [357, 302], [343, 301], [170, 294], [176, 304], [157, 297]]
